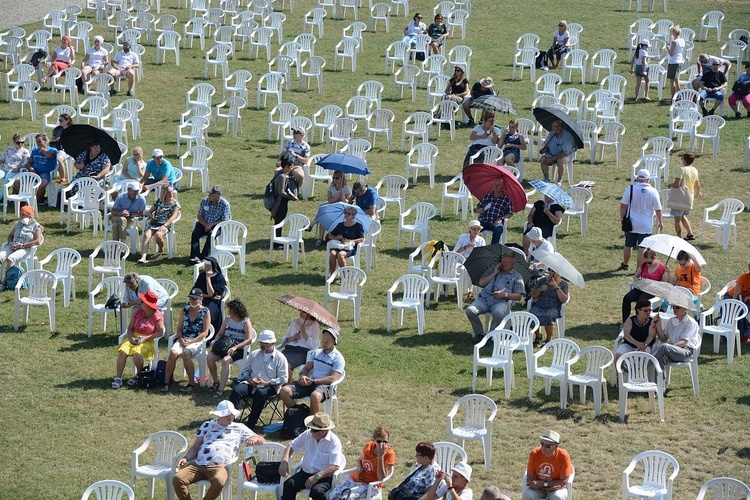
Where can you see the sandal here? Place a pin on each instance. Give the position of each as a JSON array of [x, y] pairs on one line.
[[214, 387], [219, 394], [117, 383], [165, 388], [187, 389], [132, 381], [157, 255]]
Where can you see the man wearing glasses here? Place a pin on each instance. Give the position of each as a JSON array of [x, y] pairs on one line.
[[712, 83], [323, 456], [548, 470], [704, 64], [683, 334]]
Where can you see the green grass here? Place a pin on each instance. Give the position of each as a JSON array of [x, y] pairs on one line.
[[64, 428]]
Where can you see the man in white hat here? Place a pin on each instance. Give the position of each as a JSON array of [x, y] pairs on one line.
[[548, 470], [323, 456], [216, 446], [127, 207], [640, 202], [264, 374], [480, 88], [324, 368], [159, 170], [453, 487]]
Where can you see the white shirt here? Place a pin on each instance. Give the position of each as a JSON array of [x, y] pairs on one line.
[[466, 493], [486, 139], [464, 240], [687, 329], [318, 454], [96, 57], [679, 52], [645, 202], [560, 39], [544, 245], [126, 59], [415, 29]]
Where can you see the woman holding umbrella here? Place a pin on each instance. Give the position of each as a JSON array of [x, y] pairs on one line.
[[350, 233], [93, 163], [338, 191], [302, 336], [651, 269]]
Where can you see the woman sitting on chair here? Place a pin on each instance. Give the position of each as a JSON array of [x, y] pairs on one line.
[[236, 332], [193, 326], [146, 325], [423, 474], [22, 239], [302, 336], [638, 335], [350, 233], [375, 463], [651, 269], [161, 217]]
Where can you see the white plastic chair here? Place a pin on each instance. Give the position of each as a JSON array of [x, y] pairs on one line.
[[684, 123], [734, 50], [462, 196], [270, 84], [730, 208], [444, 113], [581, 198], [108, 490], [87, 203], [323, 119], [420, 122], [608, 109], [603, 59], [114, 253], [380, 121], [712, 126], [351, 284], [195, 27], [369, 246], [314, 19], [193, 131], [312, 68], [266, 452], [477, 424], [575, 60], [235, 85], [415, 289], [504, 342], [24, 93], [169, 448], [422, 213], [426, 158], [341, 131], [598, 358], [406, 76], [638, 366], [380, 12], [396, 53], [608, 134], [656, 484], [233, 114], [98, 298], [358, 108], [457, 19], [461, 55], [42, 291], [691, 364], [65, 82], [564, 353], [346, 48], [548, 84], [448, 454], [29, 182], [293, 240], [724, 488], [711, 20], [729, 312], [592, 101], [92, 108], [655, 165], [218, 57], [65, 260], [230, 236], [446, 270], [661, 146]]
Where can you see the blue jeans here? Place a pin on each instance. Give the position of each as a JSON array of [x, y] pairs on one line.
[[497, 231]]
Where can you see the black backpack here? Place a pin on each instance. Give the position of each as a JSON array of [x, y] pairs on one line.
[[269, 197], [147, 379], [541, 60], [294, 421]]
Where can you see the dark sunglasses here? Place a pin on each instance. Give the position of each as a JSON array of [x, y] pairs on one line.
[[20, 142], [547, 445], [381, 441]]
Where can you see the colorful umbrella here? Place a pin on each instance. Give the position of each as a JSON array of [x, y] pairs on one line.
[[76, 139], [329, 215], [481, 260], [560, 265], [496, 103], [553, 191], [669, 245], [312, 308], [480, 179], [547, 116], [349, 164]]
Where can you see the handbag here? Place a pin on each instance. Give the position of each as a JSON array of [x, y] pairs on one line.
[[741, 89], [401, 492], [113, 302], [679, 198], [267, 472], [221, 346], [627, 224]]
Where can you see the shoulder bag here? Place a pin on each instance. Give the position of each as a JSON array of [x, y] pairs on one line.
[[679, 198], [626, 223]]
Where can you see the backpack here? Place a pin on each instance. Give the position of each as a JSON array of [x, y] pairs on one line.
[[541, 60], [38, 57], [147, 378], [161, 371], [12, 275], [294, 421], [269, 197]]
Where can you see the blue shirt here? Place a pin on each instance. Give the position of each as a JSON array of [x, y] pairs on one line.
[[324, 364], [158, 172], [123, 202], [42, 164], [368, 199], [557, 144]]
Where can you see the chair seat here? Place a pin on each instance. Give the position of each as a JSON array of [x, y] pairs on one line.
[[647, 491], [285, 240], [550, 372], [154, 470], [717, 222], [413, 227], [469, 432], [640, 387], [406, 303], [495, 362], [582, 379], [253, 485], [342, 295], [717, 330], [106, 269], [33, 301]]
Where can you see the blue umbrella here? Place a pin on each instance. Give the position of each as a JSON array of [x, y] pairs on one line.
[[330, 215], [349, 164], [553, 191]]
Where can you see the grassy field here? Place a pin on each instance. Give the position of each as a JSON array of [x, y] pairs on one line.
[[64, 428]]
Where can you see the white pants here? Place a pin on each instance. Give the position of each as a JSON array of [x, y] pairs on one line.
[[529, 494], [13, 257]]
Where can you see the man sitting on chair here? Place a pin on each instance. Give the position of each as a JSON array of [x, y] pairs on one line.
[[325, 367], [124, 64], [548, 470], [557, 147], [683, 333], [265, 373]]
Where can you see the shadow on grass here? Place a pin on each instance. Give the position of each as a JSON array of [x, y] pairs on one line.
[[742, 400], [80, 341], [89, 383], [603, 275], [291, 278], [743, 453], [595, 332]]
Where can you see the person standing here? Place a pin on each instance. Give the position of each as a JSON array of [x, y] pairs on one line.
[[688, 178], [640, 202], [639, 66], [675, 59], [548, 470], [212, 210]]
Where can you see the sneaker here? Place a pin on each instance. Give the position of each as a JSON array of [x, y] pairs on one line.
[[112, 92], [546, 178], [129, 93], [623, 266], [545, 68], [689, 237], [737, 115], [318, 243], [194, 260], [704, 111], [471, 123], [559, 183]]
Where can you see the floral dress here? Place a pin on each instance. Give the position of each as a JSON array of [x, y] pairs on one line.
[[91, 167], [419, 480], [162, 213], [191, 329], [547, 307]]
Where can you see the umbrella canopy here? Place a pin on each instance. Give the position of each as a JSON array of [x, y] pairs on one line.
[[560, 265], [76, 139], [349, 164], [480, 179], [669, 245], [496, 103], [329, 215], [546, 116], [553, 191], [482, 259], [312, 308], [666, 291]]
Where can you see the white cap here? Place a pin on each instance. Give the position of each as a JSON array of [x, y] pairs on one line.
[[157, 152], [134, 185], [99, 37], [464, 469], [267, 337], [535, 234], [644, 174]]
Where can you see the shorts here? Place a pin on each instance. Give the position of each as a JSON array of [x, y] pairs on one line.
[[672, 70], [632, 240], [639, 70], [679, 213], [46, 176], [453, 97], [122, 72], [178, 349], [61, 65], [705, 94], [299, 391]]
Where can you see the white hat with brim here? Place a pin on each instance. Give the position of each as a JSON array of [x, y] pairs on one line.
[[464, 469], [321, 421], [535, 234], [267, 337], [551, 436], [646, 43], [134, 185], [474, 223], [643, 174], [225, 408]]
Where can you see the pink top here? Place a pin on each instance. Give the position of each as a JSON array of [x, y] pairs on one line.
[[656, 275], [143, 326]]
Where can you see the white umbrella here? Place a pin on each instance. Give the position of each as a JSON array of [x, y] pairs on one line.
[[669, 245], [560, 265], [666, 291]]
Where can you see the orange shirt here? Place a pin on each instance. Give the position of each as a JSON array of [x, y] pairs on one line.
[[688, 277], [545, 468], [744, 283], [370, 463]]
